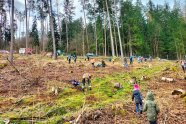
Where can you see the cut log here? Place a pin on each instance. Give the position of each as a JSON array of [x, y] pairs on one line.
[[178, 92], [144, 78], [117, 85], [97, 114], [170, 80], [163, 79]]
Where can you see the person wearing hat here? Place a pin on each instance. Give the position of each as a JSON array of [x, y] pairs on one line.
[[151, 108], [137, 97], [86, 79]]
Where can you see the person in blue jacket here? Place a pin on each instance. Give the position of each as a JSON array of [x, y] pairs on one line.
[[137, 97], [131, 59]]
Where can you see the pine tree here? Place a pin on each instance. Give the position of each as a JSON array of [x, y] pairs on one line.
[[34, 35]]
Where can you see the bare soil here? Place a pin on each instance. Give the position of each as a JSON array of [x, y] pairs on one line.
[[36, 76], [172, 108]]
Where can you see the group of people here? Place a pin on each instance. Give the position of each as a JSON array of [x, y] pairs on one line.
[[140, 59], [69, 57], [150, 107], [86, 79]]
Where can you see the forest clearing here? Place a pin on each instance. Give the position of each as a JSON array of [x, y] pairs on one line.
[[31, 100], [92, 61]]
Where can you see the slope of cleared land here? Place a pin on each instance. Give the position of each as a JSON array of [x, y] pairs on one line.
[[28, 98]]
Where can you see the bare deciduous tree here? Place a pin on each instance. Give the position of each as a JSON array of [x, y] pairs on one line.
[[12, 32]]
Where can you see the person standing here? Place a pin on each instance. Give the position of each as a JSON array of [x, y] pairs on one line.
[[131, 59], [137, 97], [183, 65], [150, 58], [69, 58], [75, 58], [138, 59], [151, 108]]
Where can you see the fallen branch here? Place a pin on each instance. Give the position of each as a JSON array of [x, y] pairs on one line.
[[83, 109]]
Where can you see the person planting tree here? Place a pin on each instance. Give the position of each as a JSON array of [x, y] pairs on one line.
[[86, 79]]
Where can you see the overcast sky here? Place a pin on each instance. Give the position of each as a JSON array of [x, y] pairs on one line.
[[19, 4]]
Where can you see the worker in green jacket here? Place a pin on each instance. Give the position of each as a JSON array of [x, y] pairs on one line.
[[151, 108]]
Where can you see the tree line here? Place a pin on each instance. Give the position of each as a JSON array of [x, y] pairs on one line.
[[106, 27]]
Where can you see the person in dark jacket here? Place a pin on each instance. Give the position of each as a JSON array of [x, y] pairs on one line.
[[131, 59], [75, 58], [137, 97], [151, 108], [69, 58]]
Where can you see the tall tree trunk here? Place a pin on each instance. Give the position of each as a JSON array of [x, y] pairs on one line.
[[95, 29], [115, 41], [19, 34], [23, 28], [42, 29], [47, 25], [130, 42], [83, 37], [105, 31], [120, 43], [42, 34], [111, 36], [85, 25], [123, 39], [105, 35], [115, 37], [59, 22], [26, 25], [52, 31], [119, 35], [67, 35], [12, 32]]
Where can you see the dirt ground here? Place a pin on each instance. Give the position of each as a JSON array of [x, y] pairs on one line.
[[36, 76], [172, 107]]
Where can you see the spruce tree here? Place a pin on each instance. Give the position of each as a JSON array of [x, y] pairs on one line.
[[34, 34]]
